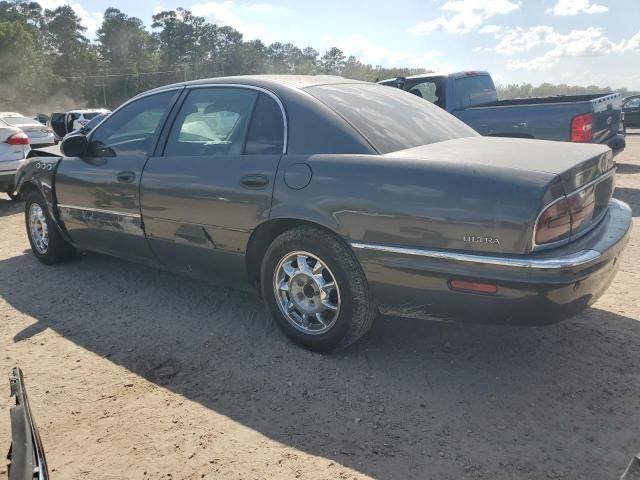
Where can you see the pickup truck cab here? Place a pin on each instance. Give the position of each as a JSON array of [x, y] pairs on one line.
[[472, 97]]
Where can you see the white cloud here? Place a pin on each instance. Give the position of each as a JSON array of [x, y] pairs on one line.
[[578, 43], [90, 20], [226, 13], [463, 16], [574, 7], [268, 9], [159, 9], [495, 29], [368, 52], [235, 15]]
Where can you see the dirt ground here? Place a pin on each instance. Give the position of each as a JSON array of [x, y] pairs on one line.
[[135, 373]]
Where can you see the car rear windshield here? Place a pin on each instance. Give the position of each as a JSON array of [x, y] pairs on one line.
[[389, 118]]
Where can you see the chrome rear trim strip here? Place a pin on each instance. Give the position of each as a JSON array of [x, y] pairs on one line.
[[560, 263], [99, 210]]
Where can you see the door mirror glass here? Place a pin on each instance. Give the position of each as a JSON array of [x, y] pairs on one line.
[[74, 146]]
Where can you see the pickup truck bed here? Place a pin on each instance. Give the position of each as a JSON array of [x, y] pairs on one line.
[[472, 97]]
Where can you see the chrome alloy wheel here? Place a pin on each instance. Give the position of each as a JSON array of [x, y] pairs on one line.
[[306, 292], [38, 228]]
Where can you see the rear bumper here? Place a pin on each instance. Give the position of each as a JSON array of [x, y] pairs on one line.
[[534, 289]]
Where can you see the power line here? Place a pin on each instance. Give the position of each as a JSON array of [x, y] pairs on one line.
[[121, 74]]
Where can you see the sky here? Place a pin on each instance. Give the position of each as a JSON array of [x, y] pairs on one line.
[[578, 42]]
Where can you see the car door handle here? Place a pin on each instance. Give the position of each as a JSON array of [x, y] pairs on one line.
[[254, 181], [126, 176]]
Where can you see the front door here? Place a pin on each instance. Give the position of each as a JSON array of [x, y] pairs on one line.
[[98, 194], [212, 184]]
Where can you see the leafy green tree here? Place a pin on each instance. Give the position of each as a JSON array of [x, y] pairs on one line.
[[24, 74], [333, 62]]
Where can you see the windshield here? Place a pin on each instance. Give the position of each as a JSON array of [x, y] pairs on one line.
[[20, 121], [91, 115], [389, 118]]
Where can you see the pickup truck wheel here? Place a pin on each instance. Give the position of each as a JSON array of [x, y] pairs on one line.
[[315, 289], [47, 243]]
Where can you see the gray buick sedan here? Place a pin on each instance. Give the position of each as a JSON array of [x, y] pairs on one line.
[[337, 200]]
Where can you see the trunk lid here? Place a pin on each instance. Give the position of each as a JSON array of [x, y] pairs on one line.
[[576, 164], [586, 172]]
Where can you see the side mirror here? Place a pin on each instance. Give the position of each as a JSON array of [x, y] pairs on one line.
[[74, 146]]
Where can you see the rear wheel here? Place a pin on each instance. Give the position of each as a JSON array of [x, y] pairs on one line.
[[47, 243], [316, 290]]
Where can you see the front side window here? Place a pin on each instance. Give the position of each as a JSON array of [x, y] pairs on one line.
[[432, 91], [130, 130], [212, 121]]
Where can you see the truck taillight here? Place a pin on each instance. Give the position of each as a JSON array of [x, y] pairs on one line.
[[554, 223], [581, 126], [19, 138]]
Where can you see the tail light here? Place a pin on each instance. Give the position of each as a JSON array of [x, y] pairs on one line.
[[19, 138], [582, 205], [581, 126], [46, 130], [574, 213], [554, 223]]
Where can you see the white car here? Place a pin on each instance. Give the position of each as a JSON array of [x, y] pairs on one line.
[[14, 147], [39, 135]]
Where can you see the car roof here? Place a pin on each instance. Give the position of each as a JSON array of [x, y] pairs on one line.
[[466, 73], [299, 82], [89, 110]]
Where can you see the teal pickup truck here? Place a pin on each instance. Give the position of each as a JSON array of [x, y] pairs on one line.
[[472, 97]]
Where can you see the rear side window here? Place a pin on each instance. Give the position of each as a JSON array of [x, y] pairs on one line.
[[389, 118], [212, 121], [266, 131], [475, 90]]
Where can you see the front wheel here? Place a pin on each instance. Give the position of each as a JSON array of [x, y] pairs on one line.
[[46, 241], [316, 290]]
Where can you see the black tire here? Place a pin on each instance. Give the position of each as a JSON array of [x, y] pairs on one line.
[[57, 249], [13, 195], [356, 307]]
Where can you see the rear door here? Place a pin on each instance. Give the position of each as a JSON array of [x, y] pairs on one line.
[[98, 194], [212, 184], [57, 123]]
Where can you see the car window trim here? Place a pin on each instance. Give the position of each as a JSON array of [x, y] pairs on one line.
[[163, 120], [245, 135]]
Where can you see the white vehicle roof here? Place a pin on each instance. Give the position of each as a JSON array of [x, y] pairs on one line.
[[90, 110], [11, 114]]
